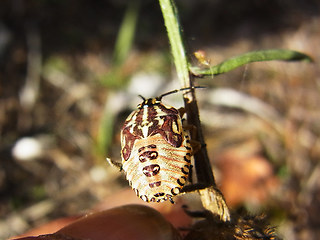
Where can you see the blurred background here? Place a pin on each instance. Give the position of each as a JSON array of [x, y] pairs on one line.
[[71, 71]]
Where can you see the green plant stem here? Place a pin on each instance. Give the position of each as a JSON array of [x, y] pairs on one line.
[[171, 22], [170, 15], [211, 197]]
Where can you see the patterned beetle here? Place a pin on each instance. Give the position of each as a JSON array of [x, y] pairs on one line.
[[155, 150]]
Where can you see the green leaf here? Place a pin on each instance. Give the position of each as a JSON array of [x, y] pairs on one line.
[[126, 33], [255, 56]]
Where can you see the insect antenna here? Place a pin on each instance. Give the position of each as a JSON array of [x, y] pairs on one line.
[[142, 97], [178, 90]]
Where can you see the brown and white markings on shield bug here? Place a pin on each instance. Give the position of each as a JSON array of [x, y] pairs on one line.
[[155, 150]]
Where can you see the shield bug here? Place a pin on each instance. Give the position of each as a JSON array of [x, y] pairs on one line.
[[155, 150]]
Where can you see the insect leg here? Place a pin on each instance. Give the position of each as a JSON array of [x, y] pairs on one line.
[[193, 187], [114, 163]]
